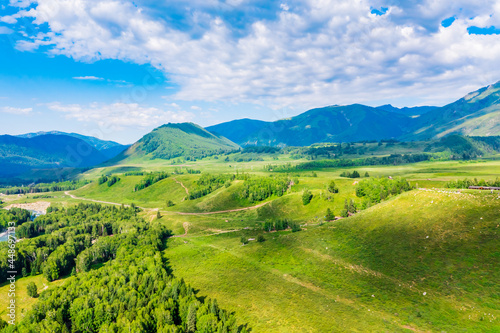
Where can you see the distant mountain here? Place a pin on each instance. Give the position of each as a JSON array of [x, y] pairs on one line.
[[174, 140], [239, 130], [413, 111], [20, 155], [109, 148], [329, 124], [477, 114]]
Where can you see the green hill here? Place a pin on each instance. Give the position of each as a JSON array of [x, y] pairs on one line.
[[425, 261], [175, 140]]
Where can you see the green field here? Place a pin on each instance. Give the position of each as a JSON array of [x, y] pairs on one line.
[[424, 260]]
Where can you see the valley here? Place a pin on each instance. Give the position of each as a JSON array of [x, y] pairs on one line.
[[397, 264]]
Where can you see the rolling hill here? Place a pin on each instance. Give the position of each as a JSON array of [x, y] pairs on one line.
[[20, 155], [174, 140], [477, 114]]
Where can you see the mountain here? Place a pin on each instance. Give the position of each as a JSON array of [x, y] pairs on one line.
[[413, 111], [329, 124], [109, 148], [20, 155], [239, 130], [174, 140], [476, 114]]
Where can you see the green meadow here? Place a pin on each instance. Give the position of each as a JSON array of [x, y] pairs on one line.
[[423, 261]]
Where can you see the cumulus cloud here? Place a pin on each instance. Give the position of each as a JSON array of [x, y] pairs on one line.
[[302, 53], [120, 115], [15, 110]]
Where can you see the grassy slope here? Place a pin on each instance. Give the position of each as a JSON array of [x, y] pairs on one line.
[[375, 266], [23, 301]]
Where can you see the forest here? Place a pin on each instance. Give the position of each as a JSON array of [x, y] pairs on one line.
[[375, 190], [117, 278]]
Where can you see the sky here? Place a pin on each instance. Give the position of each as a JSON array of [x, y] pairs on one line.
[[116, 69]]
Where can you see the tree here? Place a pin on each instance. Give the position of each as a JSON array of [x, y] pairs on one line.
[[329, 216], [244, 240], [32, 290], [158, 215], [355, 174], [332, 187], [352, 208], [170, 203], [367, 174], [261, 239], [191, 318], [306, 197]]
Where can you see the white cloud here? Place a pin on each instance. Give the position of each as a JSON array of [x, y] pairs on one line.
[[194, 107], [91, 78], [314, 53], [120, 115], [14, 110]]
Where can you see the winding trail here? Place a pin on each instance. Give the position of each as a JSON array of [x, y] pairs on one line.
[[105, 202], [185, 225], [179, 213], [180, 183]]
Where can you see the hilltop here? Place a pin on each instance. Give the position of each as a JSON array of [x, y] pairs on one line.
[[175, 140]]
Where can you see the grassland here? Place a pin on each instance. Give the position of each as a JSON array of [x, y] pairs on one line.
[[423, 261]]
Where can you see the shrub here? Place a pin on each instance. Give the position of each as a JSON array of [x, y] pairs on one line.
[[306, 197], [261, 239], [32, 290], [244, 240]]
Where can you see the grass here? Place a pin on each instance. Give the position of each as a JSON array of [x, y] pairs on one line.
[[376, 266], [367, 273], [23, 301]]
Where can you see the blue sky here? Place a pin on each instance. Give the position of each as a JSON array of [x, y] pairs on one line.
[[117, 69]]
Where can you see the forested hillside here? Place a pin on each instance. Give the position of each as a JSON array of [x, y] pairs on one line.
[[116, 276]]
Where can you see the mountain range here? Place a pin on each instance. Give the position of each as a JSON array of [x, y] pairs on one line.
[[477, 114], [22, 154]]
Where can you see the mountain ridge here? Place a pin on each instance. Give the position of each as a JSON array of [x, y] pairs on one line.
[[476, 114]]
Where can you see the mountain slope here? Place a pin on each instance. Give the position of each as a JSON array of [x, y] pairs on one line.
[[108, 148], [329, 124], [413, 111], [478, 114], [239, 130], [19, 155], [174, 140]]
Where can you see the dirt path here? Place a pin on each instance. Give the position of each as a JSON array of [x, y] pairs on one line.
[[226, 211], [185, 225], [105, 202], [179, 213], [180, 183]]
